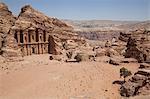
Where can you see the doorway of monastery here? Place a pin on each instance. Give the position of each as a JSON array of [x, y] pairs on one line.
[[51, 45]]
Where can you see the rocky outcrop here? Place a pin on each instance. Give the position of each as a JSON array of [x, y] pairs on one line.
[[7, 20], [10, 48], [138, 45], [133, 51], [138, 84], [124, 36]]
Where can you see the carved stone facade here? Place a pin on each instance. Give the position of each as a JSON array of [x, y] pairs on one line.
[[34, 41]]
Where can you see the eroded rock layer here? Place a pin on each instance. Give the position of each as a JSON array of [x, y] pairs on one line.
[[7, 20], [138, 45]]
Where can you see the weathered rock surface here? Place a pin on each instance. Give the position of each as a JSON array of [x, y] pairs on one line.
[[138, 45], [60, 31], [28, 20], [138, 84], [7, 20]]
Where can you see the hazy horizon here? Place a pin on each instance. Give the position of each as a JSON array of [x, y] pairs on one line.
[[116, 10]]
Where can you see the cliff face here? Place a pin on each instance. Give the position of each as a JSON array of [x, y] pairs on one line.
[[7, 20], [31, 20]]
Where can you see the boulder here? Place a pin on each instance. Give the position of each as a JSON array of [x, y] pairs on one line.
[[84, 57], [100, 52], [138, 84], [114, 61], [129, 89]]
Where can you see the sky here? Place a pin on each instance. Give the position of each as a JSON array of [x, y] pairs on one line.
[[87, 9]]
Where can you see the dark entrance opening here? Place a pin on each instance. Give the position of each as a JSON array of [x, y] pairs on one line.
[[29, 36], [33, 50], [37, 35], [15, 35], [144, 56], [21, 36], [44, 36], [51, 45]]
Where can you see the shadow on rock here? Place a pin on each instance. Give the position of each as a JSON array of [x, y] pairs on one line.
[[118, 82]]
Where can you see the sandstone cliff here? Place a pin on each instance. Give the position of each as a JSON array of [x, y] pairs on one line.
[[7, 20], [30, 19]]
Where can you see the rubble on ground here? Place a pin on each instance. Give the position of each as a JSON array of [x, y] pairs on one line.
[[138, 84]]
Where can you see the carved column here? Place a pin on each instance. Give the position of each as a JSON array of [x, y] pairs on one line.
[[46, 48], [25, 50], [36, 48], [40, 48], [43, 48], [33, 36], [30, 37], [47, 35], [29, 49], [40, 35], [25, 37]]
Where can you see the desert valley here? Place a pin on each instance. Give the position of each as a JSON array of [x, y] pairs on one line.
[[48, 58]]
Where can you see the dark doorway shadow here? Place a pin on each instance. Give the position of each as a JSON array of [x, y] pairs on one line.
[[33, 50], [118, 82], [51, 45]]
